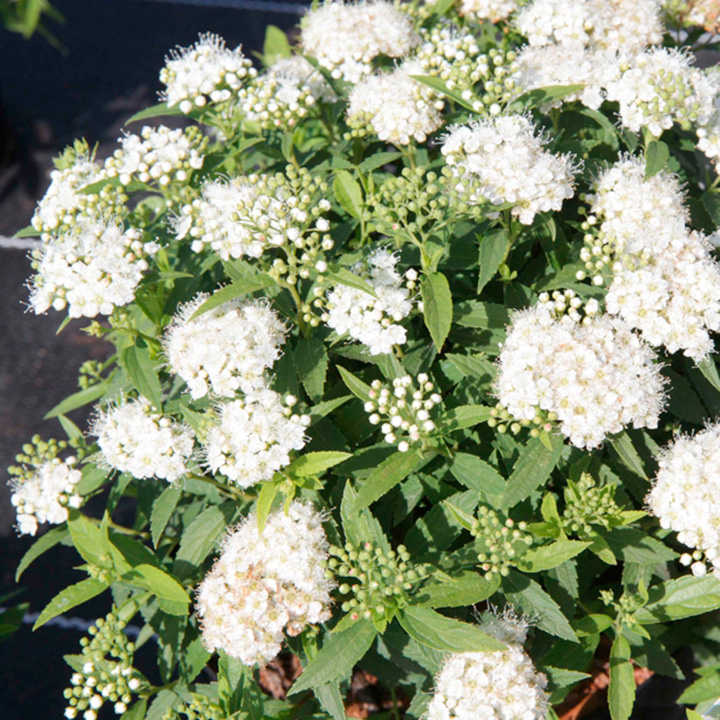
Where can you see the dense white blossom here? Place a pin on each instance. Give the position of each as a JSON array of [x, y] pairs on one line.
[[265, 583], [396, 107], [45, 495], [157, 154], [686, 495], [346, 37], [625, 26], [135, 438], [373, 319], [254, 436], [90, 269], [502, 685], [225, 349], [594, 375], [285, 93], [660, 87], [493, 10], [206, 72], [502, 160]]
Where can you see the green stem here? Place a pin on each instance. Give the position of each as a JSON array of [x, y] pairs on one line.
[[230, 492], [126, 530]]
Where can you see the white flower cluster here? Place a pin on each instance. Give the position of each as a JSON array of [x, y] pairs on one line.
[[625, 26], [266, 583], [503, 685], [373, 319], [396, 107], [63, 203], [685, 495], [246, 215], [493, 10], [45, 495], [136, 439], [660, 87], [594, 376], [284, 94], [157, 155], [346, 38], [90, 269], [206, 72], [226, 349], [95, 691], [254, 436], [665, 281], [502, 160], [406, 407]]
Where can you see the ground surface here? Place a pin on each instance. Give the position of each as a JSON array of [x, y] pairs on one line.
[[114, 51]]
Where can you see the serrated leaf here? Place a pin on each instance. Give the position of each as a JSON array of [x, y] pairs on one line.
[[476, 474], [51, 538], [475, 314], [360, 526], [709, 371], [69, 598], [378, 160], [337, 657], [232, 292], [705, 688], [141, 371], [388, 474], [311, 362], [443, 633], [540, 96], [162, 510], [154, 111], [621, 691], [90, 541], [354, 384], [531, 470], [682, 597], [343, 276], [439, 86], [623, 446], [464, 416], [656, 157], [550, 556], [437, 306], [331, 700], [316, 463], [78, 400], [466, 589], [171, 595], [492, 251], [200, 537], [348, 193], [93, 477], [474, 365]]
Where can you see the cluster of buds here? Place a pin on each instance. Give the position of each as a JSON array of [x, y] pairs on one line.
[[500, 541], [567, 302], [499, 85], [105, 673], [381, 581], [501, 419], [597, 254], [199, 707], [403, 410], [588, 503]]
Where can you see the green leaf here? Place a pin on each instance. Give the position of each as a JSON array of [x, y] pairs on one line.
[[682, 597], [623, 446], [492, 252], [162, 510], [90, 541], [200, 536], [465, 416], [343, 276], [474, 365], [26, 232], [276, 45], [311, 361], [439, 86], [69, 598], [316, 463], [541, 96], [78, 399], [337, 657], [692, 714], [437, 306], [331, 700], [354, 384], [142, 374], [537, 604], [136, 712], [476, 474], [550, 556], [709, 371], [475, 314], [231, 292], [388, 474], [93, 477], [531, 470], [466, 589], [621, 692], [154, 111], [40, 546], [362, 526], [348, 193], [378, 160], [443, 633], [268, 493], [705, 688], [172, 596], [656, 157]]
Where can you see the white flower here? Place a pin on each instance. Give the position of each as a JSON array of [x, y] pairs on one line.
[[226, 349], [659, 88], [503, 685], [502, 160], [398, 108], [685, 494], [157, 155], [253, 437], [136, 439], [373, 320], [594, 374], [46, 495], [493, 10], [90, 269], [206, 72], [264, 584], [346, 38]]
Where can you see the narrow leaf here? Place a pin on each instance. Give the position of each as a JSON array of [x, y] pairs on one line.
[[77, 400], [69, 598], [172, 596], [142, 374], [623, 446], [354, 384], [311, 361], [162, 510], [316, 463], [154, 111], [231, 292], [40, 546], [493, 248], [348, 193], [531, 470], [466, 589], [550, 556], [621, 692], [437, 306]]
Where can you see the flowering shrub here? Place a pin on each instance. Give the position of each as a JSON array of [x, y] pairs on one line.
[[414, 366]]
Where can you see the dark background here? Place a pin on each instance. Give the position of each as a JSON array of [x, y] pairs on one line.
[[114, 51]]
